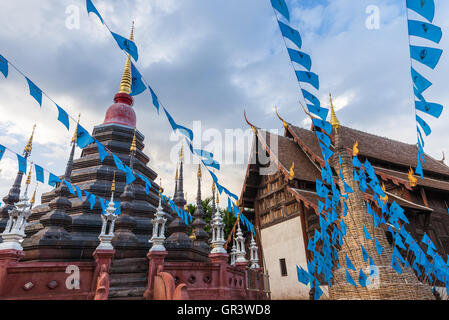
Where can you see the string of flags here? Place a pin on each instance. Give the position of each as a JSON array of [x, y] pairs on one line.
[[52, 180], [333, 228], [84, 138], [429, 57], [139, 85]]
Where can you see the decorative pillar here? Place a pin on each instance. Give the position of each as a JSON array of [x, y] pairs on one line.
[[108, 222], [240, 252], [218, 240], [254, 259], [159, 221], [198, 225], [14, 232], [13, 195]]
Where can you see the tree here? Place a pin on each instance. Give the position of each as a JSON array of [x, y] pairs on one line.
[[228, 218]]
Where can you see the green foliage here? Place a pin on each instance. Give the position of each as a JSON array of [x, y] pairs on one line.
[[228, 218]]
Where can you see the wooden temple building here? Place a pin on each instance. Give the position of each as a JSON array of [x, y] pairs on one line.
[[71, 249], [279, 193]]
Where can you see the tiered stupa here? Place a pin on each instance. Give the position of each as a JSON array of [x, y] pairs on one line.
[[134, 226]]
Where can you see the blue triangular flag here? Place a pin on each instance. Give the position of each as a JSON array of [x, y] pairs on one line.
[[91, 8], [137, 85], [349, 264], [308, 77], [53, 179], [425, 8], [22, 163], [83, 138], [349, 279], [63, 117], [4, 66], [367, 235], [426, 55], [433, 109], [363, 279], [303, 275], [291, 34], [281, 7], [424, 30], [35, 92], [101, 150], [300, 58], [127, 45], [39, 173]]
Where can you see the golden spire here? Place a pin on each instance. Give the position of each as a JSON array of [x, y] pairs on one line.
[[213, 186], [355, 149], [125, 84], [113, 184], [160, 185], [133, 143], [33, 198], [75, 134], [177, 174], [218, 198], [29, 145], [291, 174], [28, 181], [199, 170], [334, 120], [181, 153], [283, 121]]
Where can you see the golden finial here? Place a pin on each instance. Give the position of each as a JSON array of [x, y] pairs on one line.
[[413, 180], [280, 118], [199, 170], [125, 84], [334, 120], [28, 181], [311, 116], [75, 134], [29, 145], [193, 236], [160, 185], [181, 153], [33, 198], [113, 184], [218, 198], [133, 143], [177, 174], [355, 149], [291, 171], [213, 186]]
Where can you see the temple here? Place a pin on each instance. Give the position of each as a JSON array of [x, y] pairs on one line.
[[72, 247], [279, 194]]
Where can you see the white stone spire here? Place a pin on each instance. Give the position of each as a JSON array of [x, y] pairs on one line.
[[218, 241], [108, 218], [240, 240], [254, 257], [159, 221], [14, 232]]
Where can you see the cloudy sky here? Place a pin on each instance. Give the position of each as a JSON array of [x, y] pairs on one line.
[[208, 60]]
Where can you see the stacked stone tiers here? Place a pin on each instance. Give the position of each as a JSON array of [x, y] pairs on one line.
[[134, 226]]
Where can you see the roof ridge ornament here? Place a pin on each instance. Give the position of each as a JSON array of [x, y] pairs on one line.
[[284, 123], [249, 123]]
